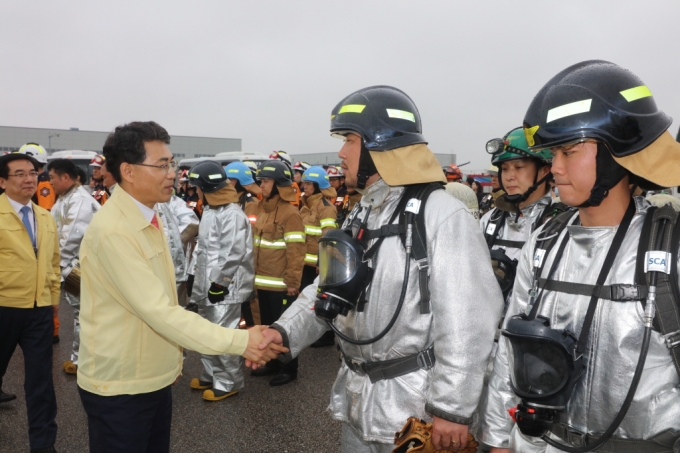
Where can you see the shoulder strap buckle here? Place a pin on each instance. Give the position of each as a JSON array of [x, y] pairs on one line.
[[672, 339], [628, 292], [426, 358]]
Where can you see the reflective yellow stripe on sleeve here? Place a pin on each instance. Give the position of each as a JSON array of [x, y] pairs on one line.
[[313, 230], [259, 242], [311, 259], [270, 282], [328, 223], [294, 236]]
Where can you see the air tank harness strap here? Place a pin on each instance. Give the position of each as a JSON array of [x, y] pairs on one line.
[[619, 292], [389, 369]]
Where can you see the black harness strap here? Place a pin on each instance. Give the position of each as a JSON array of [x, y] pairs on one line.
[[511, 244], [619, 292], [497, 222]]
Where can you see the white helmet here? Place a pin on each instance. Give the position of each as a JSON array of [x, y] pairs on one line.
[[35, 151]]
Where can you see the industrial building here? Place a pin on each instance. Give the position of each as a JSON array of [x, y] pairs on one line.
[[12, 138]]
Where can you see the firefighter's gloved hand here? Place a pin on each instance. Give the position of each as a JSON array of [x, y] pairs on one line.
[[190, 284], [216, 293]]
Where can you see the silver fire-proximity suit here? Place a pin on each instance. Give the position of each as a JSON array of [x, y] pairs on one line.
[[176, 217], [73, 212], [611, 355], [516, 229], [466, 306], [224, 255]]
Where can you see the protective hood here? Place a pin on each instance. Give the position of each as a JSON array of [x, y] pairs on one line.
[[329, 193], [287, 193], [658, 163], [413, 164], [225, 195]]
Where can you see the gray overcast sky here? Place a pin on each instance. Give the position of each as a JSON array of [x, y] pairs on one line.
[[270, 72]]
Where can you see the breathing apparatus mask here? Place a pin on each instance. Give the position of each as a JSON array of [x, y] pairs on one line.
[[343, 274]]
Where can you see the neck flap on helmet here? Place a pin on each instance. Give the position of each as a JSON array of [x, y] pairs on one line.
[[366, 167], [608, 174]]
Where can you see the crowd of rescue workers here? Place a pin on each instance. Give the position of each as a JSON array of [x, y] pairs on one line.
[[533, 307]]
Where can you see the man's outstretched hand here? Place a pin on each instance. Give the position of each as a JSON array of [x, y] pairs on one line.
[[270, 340], [260, 348]]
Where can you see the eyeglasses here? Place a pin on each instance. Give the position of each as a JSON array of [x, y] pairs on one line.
[[566, 146], [22, 175], [166, 167]]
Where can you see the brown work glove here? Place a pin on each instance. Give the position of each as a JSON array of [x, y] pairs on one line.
[[416, 437]]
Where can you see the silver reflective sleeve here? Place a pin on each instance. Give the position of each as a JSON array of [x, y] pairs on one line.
[[72, 213], [185, 216], [172, 234]]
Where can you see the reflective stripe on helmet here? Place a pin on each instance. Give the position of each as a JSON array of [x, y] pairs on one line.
[[271, 282], [312, 259], [294, 236], [633, 94], [352, 108], [328, 223], [401, 114], [565, 110], [313, 230]]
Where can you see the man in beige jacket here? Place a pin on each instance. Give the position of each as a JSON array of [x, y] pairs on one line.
[[132, 328]]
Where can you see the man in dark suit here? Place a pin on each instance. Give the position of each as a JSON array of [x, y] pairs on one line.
[[29, 294]]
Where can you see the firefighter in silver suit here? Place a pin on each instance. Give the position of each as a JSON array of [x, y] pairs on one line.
[[584, 363], [430, 364], [224, 273], [73, 212]]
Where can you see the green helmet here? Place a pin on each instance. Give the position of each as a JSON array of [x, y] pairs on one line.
[[514, 146]]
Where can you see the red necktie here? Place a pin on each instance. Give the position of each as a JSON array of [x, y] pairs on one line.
[[154, 221]]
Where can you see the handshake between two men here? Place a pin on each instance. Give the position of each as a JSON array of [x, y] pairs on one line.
[[264, 344]]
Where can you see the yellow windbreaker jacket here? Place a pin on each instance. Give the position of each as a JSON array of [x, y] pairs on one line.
[[132, 327]]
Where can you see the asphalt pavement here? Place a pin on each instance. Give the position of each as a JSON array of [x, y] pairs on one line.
[[261, 418]]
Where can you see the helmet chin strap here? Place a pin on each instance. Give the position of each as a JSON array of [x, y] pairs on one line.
[[608, 174], [366, 167]]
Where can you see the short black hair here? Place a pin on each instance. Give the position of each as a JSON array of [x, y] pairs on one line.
[[82, 176], [64, 167], [126, 144], [6, 159]]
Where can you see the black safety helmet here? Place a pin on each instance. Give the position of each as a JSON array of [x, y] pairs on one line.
[[595, 99], [276, 170], [599, 100], [208, 176], [384, 116]]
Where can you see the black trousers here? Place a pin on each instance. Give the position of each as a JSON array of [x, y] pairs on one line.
[[272, 305], [129, 423], [308, 276], [32, 330]]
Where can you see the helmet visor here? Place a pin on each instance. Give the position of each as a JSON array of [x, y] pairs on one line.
[[337, 263]]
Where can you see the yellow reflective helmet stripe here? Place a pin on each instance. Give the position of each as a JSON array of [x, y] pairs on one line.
[[529, 134], [309, 258], [313, 230], [325, 223], [633, 94], [215, 176], [401, 114], [193, 175], [352, 108], [565, 110]]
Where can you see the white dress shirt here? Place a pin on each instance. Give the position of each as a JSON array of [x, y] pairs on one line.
[[147, 212]]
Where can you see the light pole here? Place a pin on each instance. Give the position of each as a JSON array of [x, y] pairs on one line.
[[49, 140]]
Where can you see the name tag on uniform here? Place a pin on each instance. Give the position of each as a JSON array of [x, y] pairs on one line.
[[658, 261], [539, 254], [490, 228]]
